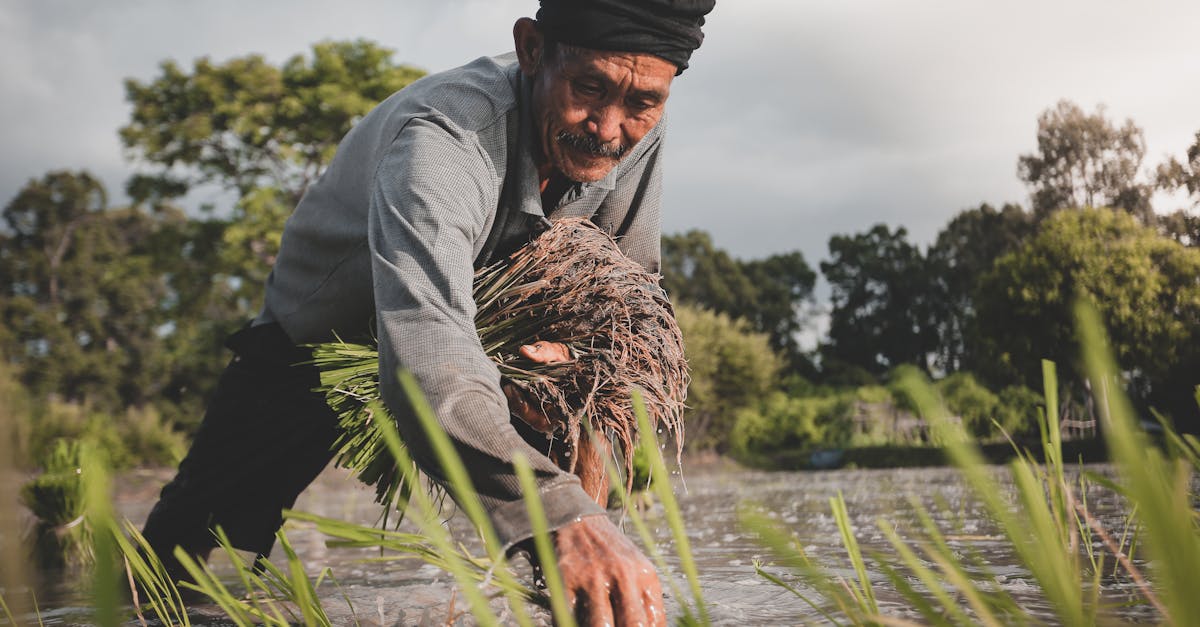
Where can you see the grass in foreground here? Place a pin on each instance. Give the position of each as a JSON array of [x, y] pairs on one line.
[[1048, 525]]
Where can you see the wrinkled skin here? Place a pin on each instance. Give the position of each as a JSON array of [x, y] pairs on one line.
[[611, 99], [608, 580]]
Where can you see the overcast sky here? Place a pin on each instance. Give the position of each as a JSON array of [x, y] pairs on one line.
[[797, 120]]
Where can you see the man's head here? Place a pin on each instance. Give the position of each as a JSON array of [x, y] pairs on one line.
[[601, 72]]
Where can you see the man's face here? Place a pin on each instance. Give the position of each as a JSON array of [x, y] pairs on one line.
[[592, 106]]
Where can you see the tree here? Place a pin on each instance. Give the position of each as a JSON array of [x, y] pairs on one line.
[[1146, 287], [245, 124], [1084, 160], [1186, 176], [262, 131], [697, 272], [784, 283], [767, 293], [879, 316], [964, 250], [1182, 225], [82, 295]]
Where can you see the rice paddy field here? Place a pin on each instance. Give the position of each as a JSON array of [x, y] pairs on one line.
[[409, 592], [1038, 541]]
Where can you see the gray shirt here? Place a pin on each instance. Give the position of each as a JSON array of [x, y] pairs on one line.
[[436, 181]]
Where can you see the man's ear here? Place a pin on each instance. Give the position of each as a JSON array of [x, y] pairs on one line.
[[530, 45]]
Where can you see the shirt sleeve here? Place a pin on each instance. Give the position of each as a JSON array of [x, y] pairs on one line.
[[431, 196]]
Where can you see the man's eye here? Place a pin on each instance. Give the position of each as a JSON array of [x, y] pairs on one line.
[[588, 89], [641, 105]]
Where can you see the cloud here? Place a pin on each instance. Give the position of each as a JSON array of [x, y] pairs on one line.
[[796, 121]]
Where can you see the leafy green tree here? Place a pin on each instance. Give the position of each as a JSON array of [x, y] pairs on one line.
[[1083, 160], [781, 422], [769, 293], [82, 295], [784, 284], [1018, 409], [1182, 226], [879, 288], [696, 271], [246, 124], [964, 250], [263, 131], [1146, 287], [731, 367]]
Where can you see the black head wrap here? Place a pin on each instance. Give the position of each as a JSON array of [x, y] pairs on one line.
[[666, 28]]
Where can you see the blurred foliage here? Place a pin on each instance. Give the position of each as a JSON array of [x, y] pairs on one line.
[[781, 422], [965, 249], [732, 367]]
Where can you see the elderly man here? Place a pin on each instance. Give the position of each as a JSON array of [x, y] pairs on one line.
[[453, 172]]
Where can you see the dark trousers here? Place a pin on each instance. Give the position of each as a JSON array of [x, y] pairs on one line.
[[265, 436]]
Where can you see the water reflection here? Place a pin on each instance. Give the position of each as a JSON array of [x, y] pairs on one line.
[[406, 592]]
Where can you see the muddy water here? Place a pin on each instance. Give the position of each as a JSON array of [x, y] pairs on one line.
[[408, 593]]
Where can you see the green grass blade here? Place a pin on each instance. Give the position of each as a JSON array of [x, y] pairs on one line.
[[783, 546], [1155, 484], [925, 574], [662, 490], [915, 599], [647, 538], [147, 569], [426, 516], [547, 558], [863, 590], [99, 516], [761, 572], [460, 480]]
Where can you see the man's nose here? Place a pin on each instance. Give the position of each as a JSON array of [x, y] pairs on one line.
[[605, 124]]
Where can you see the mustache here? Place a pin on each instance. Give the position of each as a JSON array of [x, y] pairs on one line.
[[589, 144]]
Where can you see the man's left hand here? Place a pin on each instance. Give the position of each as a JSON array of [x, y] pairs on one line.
[[607, 579]]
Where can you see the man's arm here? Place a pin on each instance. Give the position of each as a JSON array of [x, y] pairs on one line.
[[428, 206], [429, 203]]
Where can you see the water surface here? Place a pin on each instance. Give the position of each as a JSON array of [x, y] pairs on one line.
[[410, 593]]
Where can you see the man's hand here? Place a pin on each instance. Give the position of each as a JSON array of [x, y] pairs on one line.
[[541, 352], [607, 579], [544, 352]]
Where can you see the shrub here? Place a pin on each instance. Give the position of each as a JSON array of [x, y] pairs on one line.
[[781, 423], [732, 368], [966, 398]]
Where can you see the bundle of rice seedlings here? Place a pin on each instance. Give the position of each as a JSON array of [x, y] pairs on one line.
[[571, 285], [62, 535]]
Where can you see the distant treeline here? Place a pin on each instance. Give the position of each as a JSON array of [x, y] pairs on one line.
[[980, 307], [115, 316]]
